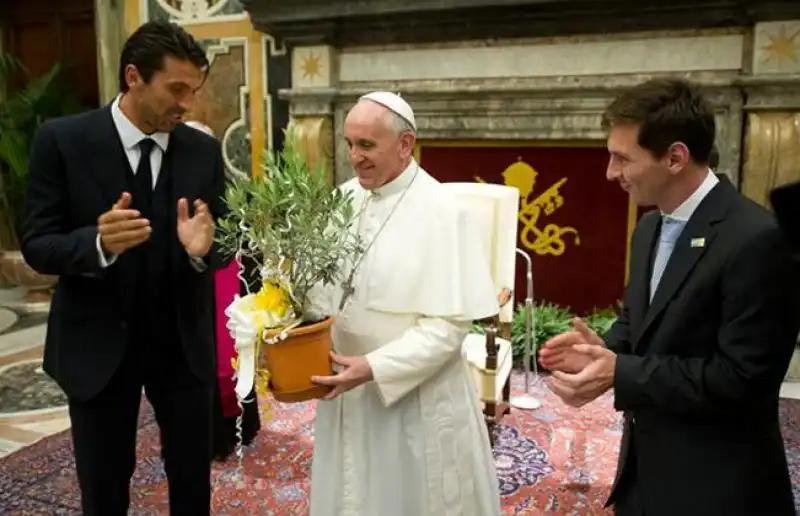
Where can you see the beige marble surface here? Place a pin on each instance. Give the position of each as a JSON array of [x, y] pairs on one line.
[[7, 319], [18, 430], [22, 428], [776, 47], [612, 56]]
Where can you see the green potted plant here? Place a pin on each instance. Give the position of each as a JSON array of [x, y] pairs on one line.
[[22, 111], [296, 227], [550, 320], [601, 320]]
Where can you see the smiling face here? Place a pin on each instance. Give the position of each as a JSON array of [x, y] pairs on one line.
[[378, 151], [162, 101], [648, 179], [161, 67], [660, 135], [634, 167]]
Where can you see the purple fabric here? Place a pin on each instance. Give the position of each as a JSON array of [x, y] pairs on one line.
[[226, 286]]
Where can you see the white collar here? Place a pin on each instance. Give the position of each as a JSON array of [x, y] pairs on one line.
[[129, 134], [399, 183], [686, 209]]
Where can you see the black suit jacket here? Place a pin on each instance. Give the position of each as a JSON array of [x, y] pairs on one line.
[[76, 174], [785, 201], [699, 370]]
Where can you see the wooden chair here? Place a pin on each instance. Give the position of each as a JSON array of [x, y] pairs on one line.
[[494, 208]]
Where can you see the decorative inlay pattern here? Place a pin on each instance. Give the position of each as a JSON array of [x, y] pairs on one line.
[[24, 387]]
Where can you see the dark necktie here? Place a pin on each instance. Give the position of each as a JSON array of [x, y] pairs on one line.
[[144, 176]]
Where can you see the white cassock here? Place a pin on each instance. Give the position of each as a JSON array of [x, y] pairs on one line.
[[413, 441]]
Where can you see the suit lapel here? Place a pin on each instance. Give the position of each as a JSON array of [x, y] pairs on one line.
[[178, 163], [639, 281], [180, 157], [107, 156], [696, 238]]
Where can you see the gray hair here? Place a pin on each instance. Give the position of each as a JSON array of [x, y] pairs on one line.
[[200, 126], [397, 124]]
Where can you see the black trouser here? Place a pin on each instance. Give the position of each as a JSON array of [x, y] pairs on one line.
[[104, 433], [626, 500]]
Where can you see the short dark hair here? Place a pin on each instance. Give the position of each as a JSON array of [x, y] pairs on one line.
[[147, 47], [713, 158], [666, 111]]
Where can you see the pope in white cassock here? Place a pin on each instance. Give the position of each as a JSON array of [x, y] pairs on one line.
[[401, 434]]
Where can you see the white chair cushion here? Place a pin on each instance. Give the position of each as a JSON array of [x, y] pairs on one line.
[[490, 387]]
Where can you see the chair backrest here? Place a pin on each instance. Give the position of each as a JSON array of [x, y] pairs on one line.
[[494, 208]]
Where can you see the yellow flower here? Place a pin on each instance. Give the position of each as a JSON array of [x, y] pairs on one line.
[[262, 382], [272, 298]]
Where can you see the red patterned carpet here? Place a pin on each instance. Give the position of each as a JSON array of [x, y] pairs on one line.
[[555, 460]]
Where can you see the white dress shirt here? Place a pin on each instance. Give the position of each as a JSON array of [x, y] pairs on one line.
[[130, 136], [686, 209]]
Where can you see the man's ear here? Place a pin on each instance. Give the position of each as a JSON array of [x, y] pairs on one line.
[[678, 156], [407, 141], [132, 76]]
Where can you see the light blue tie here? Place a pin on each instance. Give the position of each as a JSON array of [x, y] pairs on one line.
[[670, 231]]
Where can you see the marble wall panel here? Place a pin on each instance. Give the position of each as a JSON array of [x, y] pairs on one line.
[[571, 58], [776, 47]]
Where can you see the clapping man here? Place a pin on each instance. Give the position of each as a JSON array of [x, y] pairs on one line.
[[108, 211], [707, 329]]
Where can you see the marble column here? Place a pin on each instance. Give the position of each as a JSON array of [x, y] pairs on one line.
[[311, 99], [772, 139], [772, 153], [3, 282], [110, 32], [315, 135]]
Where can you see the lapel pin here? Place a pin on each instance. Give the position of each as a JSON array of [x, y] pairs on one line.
[[698, 242]]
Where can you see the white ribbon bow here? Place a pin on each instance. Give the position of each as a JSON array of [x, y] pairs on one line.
[[243, 328]]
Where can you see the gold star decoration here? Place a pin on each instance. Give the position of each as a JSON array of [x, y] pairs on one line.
[[781, 46], [311, 66]]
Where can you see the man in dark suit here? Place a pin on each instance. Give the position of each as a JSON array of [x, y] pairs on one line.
[[108, 211], [707, 329], [785, 201]]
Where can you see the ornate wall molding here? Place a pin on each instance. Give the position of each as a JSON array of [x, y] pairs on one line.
[[189, 11], [534, 109], [354, 22], [311, 101], [772, 92], [644, 53]]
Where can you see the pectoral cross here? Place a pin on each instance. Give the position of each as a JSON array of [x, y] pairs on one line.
[[347, 291]]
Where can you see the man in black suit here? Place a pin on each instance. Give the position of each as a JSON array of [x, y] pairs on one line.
[[108, 211], [707, 329], [785, 201]]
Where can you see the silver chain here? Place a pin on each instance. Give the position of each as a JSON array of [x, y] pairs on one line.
[[348, 285]]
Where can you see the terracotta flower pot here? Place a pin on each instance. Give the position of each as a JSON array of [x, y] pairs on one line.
[[293, 361]]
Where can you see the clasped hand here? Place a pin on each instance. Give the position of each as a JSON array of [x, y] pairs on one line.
[[356, 372], [582, 367], [122, 228]]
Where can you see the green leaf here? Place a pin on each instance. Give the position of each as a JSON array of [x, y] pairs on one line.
[[548, 321], [21, 113], [292, 222]]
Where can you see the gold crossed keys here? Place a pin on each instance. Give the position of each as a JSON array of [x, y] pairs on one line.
[[546, 240]]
